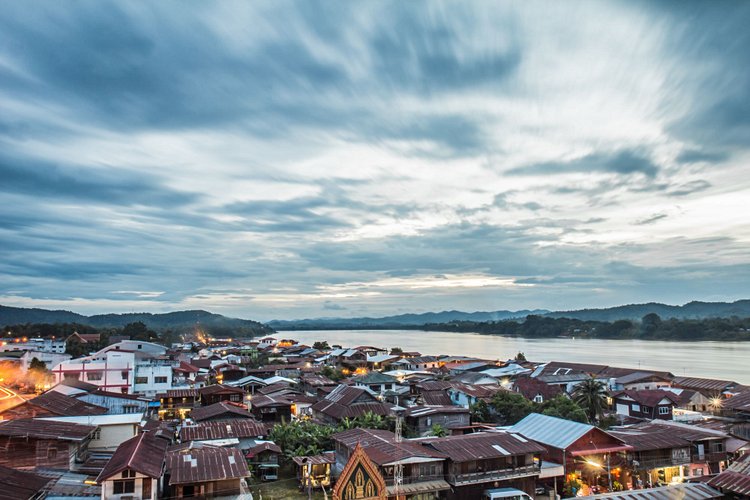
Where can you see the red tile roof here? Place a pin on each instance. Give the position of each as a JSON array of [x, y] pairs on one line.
[[199, 465], [143, 453]]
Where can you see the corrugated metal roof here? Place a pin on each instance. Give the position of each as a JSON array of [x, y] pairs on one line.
[[241, 428], [552, 431], [684, 491], [327, 457], [198, 465], [382, 448], [143, 453], [735, 479], [15, 484], [45, 429], [483, 445]]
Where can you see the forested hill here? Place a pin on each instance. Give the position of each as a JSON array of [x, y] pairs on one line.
[[177, 320], [691, 310], [400, 320]]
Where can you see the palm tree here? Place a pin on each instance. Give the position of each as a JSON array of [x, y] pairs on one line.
[[591, 395]]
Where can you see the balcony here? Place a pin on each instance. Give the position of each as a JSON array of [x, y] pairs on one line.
[[659, 463], [712, 457], [493, 475], [389, 481]]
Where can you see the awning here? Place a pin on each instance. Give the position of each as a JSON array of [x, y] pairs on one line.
[[551, 469], [597, 451], [421, 487]]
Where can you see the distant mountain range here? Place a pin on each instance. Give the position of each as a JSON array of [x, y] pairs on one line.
[[691, 310], [400, 320], [178, 320]]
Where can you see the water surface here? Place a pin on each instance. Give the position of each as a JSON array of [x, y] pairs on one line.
[[722, 360]]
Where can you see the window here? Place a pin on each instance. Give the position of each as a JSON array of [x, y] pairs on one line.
[[140, 346], [664, 410], [538, 398], [94, 376], [141, 380], [234, 397], [51, 453], [124, 374], [635, 407], [126, 486], [646, 409], [160, 380], [130, 409], [97, 433]]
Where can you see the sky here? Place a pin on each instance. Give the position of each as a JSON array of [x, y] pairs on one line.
[[277, 160]]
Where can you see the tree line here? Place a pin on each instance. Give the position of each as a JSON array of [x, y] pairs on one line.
[[650, 327]]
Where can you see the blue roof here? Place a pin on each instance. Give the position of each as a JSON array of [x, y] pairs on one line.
[[552, 431]]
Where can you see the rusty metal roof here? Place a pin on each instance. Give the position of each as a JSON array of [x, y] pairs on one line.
[[64, 406], [735, 479], [684, 491], [231, 410], [198, 465], [261, 447], [327, 457], [382, 448], [237, 428], [143, 453], [46, 429], [16, 485], [484, 445]]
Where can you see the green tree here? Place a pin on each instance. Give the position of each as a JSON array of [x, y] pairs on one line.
[[520, 356], [139, 331], [396, 351], [37, 365], [480, 412], [563, 407], [332, 373], [438, 430], [510, 407], [300, 438], [591, 395], [321, 345]]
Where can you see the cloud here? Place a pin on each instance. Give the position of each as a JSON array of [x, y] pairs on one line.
[[621, 162]]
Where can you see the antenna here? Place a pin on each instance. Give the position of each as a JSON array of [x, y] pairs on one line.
[[398, 469]]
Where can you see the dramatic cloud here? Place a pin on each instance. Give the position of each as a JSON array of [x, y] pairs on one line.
[[298, 159]]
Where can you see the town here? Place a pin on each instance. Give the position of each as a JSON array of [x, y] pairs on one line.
[[272, 418]]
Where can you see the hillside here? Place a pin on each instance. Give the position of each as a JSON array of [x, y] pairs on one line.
[[691, 310], [178, 320]]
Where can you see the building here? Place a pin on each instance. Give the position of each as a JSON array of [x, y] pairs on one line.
[[135, 469], [240, 433], [420, 363], [220, 411], [485, 460], [118, 370], [360, 478], [736, 479], [587, 453], [421, 419], [422, 466], [18, 485], [178, 403], [535, 390], [376, 382], [206, 472], [111, 429], [51, 404], [217, 393], [32, 444], [315, 471], [646, 404], [467, 395], [348, 402], [264, 458]]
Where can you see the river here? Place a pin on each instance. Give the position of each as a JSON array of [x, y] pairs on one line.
[[722, 360]]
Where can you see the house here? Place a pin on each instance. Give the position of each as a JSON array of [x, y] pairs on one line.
[[535, 390], [420, 419], [31, 444], [205, 471], [381, 361], [420, 363], [348, 402], [360, 478], [422, 466], [476, 462], [19, 485], [315, 471], [264, 458], [240, 433], [273, 407], [475, 378], [111, 429], [117, 403], [310, 383], [218, 392], [135, 469], [581, 449], [646, 404], [220, 411], [467, 395], [178, 403], [376, 382], [50, 404], [711, 388], [642, 381]]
